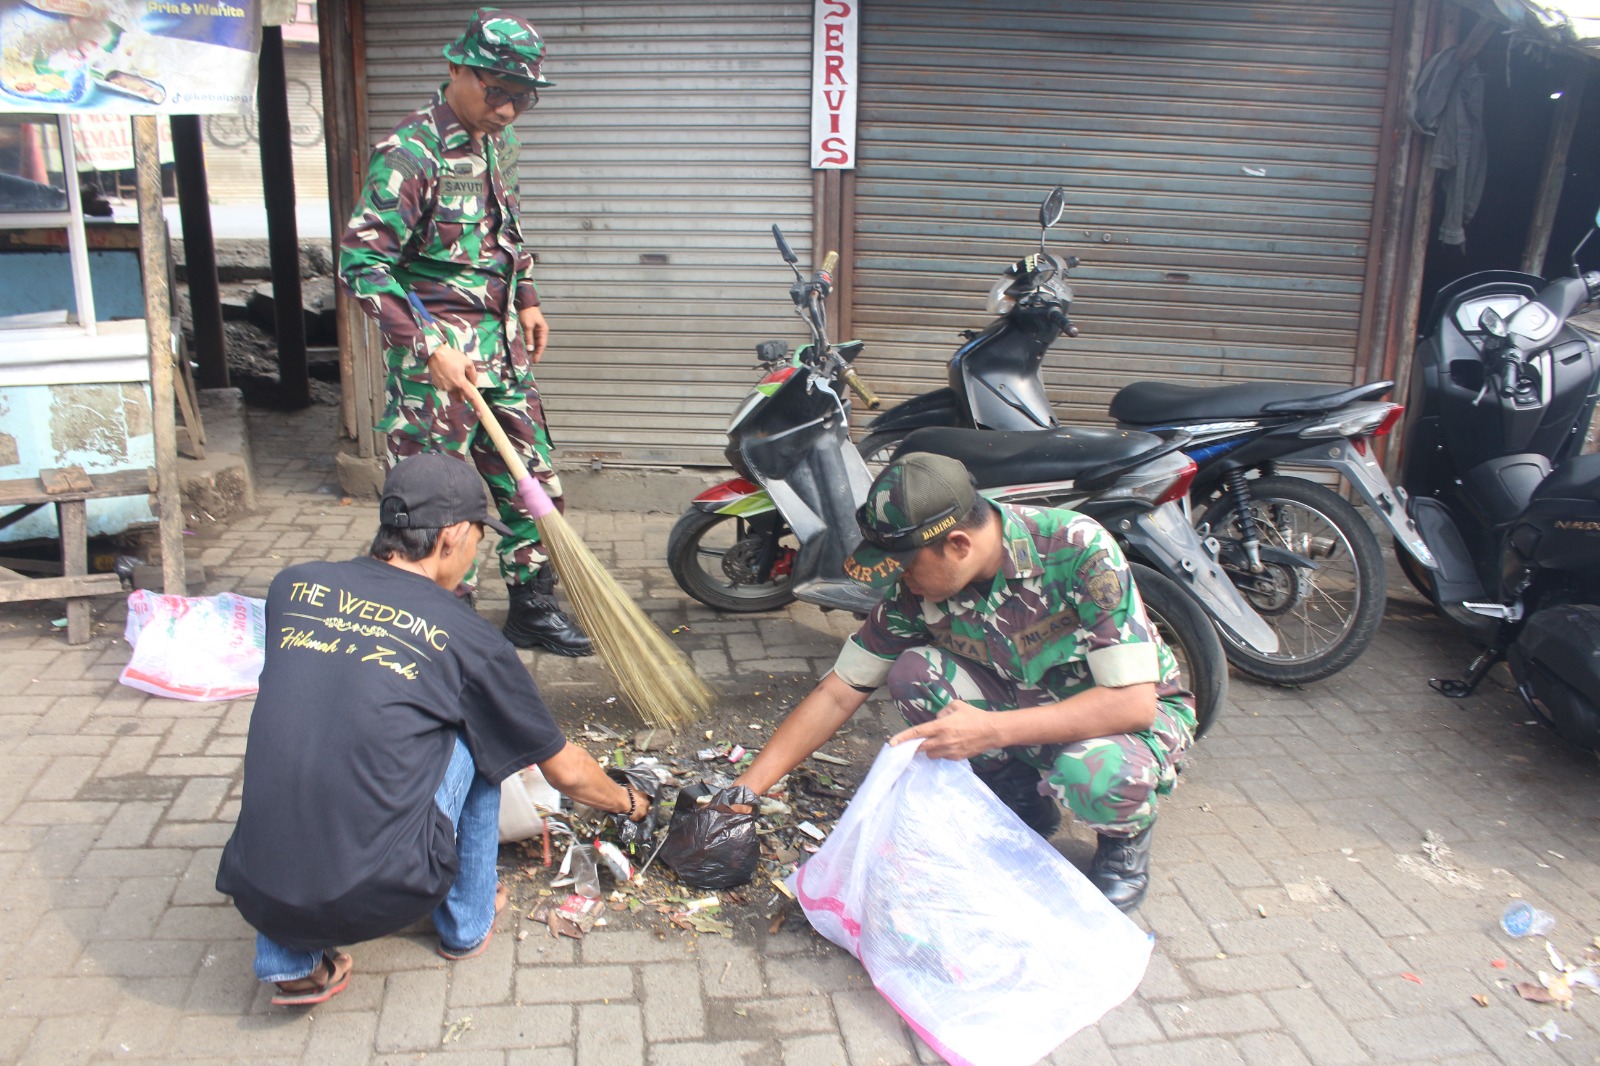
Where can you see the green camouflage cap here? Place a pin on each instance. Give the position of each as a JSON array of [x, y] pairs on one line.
[[503, 44], [915, 501]]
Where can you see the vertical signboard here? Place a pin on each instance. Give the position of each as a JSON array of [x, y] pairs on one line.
[[833, 85]]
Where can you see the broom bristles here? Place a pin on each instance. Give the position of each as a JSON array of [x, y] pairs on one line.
[[653, 675]]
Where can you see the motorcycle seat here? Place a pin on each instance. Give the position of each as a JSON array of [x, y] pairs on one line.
[[1013, 458], [1576, 479], [1152, 403]]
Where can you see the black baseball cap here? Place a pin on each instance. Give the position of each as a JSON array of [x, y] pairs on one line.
[[433, 490], [915, 500]]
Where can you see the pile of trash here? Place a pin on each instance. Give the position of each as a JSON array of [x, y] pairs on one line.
[[573, 874]]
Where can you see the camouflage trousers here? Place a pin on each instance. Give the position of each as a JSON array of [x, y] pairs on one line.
[[1111, 783], [420, 418]]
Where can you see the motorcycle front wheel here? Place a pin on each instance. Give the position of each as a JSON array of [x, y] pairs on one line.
[[1187, 631], [718, 559], [878, 448], [1324, 617]]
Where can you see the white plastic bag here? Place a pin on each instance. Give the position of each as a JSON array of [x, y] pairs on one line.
[[989, 943], [205, 648], [521, 797]]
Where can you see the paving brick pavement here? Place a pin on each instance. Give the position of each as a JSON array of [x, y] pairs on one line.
[[1296, 914]]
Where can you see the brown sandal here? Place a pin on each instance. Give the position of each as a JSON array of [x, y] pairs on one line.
[[326, 981]]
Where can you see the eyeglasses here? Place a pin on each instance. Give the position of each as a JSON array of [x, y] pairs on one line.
[[495, 96]]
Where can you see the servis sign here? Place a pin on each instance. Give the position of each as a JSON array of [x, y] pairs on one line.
[[833, 85]]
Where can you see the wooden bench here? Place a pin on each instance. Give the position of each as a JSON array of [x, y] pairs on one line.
[[68, 489]]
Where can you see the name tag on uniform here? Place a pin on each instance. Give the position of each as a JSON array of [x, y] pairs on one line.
[[454, 186]]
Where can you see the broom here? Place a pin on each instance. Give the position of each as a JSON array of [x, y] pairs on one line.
[[660, 684]]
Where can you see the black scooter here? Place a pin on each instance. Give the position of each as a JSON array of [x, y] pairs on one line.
[[1502, 390]]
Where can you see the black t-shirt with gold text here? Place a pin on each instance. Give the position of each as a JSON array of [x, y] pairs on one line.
[[371, 673]]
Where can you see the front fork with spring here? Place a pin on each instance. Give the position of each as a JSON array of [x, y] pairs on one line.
[[1249, 534]]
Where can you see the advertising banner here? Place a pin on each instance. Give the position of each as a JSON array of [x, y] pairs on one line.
[[167, 57]]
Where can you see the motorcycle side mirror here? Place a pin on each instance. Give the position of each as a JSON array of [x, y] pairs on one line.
[[1491, 323], [1050, 210], [783, 246]]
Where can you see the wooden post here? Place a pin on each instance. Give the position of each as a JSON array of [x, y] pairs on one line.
[[199, 251], [158, 330], [1555, 168], [283, 236]]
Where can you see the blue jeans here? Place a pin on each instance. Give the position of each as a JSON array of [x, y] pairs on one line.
[[467, 913]]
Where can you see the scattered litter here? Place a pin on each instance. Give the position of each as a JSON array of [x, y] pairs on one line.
[[776, 924], [811, 831], [1498, 964], [59, 623], [1480, 999], [1549, 1031], [1413, 978], [707, 754], [736, 753], [615, 860], [832, 760], [1557, 854], [1523, 919], [1543, 993], [1440, 868], [454, 1030], [572, 917], [1255, 172], [1261, 910]]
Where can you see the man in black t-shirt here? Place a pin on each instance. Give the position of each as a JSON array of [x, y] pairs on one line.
[[388, 715]]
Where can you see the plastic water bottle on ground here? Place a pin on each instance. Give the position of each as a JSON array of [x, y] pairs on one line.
[[1524, 919]]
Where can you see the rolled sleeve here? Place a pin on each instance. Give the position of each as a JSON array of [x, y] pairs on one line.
[[860, 668], [1121, 665]]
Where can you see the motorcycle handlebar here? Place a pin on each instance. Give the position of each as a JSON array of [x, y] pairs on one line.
[[823, 278], [860, 388]]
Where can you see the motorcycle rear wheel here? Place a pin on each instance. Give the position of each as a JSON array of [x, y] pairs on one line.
[[711, 557], [1187, 630], [1326, 617]]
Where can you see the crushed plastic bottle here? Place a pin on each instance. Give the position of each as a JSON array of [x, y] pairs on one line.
[[1523, 919]]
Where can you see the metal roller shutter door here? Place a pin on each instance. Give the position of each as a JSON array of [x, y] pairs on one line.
[[1219, 161], [651, 176]]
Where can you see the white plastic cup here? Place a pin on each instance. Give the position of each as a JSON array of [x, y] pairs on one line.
[[1523, 919]]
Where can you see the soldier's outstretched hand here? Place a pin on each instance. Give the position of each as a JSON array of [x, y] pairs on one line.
[[452, 370], [535, 332]]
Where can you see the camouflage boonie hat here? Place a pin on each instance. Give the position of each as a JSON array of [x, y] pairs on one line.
[[914, 502], [503, 44]]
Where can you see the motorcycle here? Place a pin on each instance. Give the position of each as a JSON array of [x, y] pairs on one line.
[[1502, 390], [1302, 556], [783, 528]]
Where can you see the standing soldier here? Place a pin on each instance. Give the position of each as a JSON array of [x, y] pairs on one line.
[[434, 255]]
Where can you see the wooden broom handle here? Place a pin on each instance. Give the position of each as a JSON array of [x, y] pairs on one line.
[[491, 425]]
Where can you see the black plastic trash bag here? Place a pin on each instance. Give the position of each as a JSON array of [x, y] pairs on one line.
[[713, 846], [633, 834]]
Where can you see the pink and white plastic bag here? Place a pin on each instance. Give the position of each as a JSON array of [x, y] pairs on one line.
[[989, 943], [195, 648]]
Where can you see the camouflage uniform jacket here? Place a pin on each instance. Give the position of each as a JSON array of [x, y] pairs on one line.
[[439, 217], [1062, 615]]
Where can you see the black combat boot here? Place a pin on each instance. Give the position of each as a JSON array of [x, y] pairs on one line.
[[1016, 784], [1121, 868], [534, 620]]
